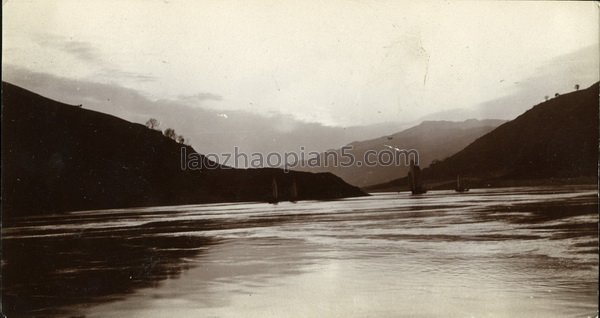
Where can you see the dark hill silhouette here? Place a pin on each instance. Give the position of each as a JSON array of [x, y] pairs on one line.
[[555, 141], [434, 140], [58, 157]]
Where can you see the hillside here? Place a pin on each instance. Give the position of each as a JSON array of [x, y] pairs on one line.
[[209, 130], [58, 157], [434, 140], [555, 141]]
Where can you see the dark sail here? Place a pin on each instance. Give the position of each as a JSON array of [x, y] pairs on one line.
[[460, 187], [275, 194], [414, 179], [294, 191]]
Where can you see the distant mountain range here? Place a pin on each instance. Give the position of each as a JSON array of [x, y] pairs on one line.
[[58, 157], [433, 140], [553, 142]]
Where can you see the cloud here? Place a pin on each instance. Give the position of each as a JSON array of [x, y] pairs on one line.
[[201, 97], [558, 75], [81, 50], [111, 72], [86, 52]]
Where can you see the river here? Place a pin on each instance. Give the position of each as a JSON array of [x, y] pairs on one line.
[[510, 252]]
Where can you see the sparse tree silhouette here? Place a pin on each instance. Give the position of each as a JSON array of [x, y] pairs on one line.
[[556, 95], [180, 139], [546, 97], [152, 123], [170, 132], [576, 87]]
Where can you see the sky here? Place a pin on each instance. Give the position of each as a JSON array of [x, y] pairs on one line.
[[337, 63]]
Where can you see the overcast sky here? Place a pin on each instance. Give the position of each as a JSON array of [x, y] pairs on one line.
[[333, 62]]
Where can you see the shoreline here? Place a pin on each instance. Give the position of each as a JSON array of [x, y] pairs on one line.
[[489, 183]]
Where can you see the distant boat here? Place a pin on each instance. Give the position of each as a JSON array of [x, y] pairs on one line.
[[294, 191], [414, 179], [460, 187], [275, 197]]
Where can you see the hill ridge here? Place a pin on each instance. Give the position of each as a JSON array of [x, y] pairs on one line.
[[58, 157], [553, 139]]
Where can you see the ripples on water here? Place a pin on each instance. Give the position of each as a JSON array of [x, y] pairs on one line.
[[519, 252]]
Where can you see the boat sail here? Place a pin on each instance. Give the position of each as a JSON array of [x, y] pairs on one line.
[[275, 197], [294, 191], [460, 187], [414, 179]]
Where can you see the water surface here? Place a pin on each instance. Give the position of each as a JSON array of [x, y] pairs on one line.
[[512, 252]]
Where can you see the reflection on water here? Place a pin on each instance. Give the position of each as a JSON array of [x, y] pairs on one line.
[[517, 252]]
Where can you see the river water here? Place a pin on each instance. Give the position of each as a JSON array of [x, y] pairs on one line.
[[510, 252]]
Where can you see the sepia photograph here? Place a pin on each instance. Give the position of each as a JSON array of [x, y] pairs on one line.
[[264, 158]]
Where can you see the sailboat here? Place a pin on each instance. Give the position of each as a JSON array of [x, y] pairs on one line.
[[294, 191], [414, 179], [460, 187], [275, 197]]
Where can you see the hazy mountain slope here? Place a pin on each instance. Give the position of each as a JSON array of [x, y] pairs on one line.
[[208, 130], [432, 139], [555, 139], [58, 157]]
